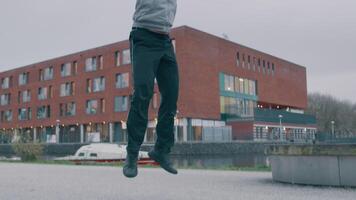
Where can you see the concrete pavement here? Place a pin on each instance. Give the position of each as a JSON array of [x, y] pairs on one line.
[[57, 182]]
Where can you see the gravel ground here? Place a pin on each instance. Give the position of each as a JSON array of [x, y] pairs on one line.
[[47, 182]]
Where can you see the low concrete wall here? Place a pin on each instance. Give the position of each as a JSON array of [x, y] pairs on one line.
[[178, 149], [327, 165]]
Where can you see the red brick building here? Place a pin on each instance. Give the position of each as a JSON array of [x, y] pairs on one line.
[[227, 91]]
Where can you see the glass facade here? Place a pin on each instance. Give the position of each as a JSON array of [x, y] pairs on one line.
[[238, 96]]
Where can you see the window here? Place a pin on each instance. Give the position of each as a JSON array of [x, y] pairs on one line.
[[259, 65], [99, 84], [6, 116], [243, 60], [126, 57], [66, 69], [92, 107], [122, 80], [229, 83], [90, 64], [5, 99], [237, 84], [254, 64], [26, 96], [268, 68], [24, 114], [42, 93], [117, 58], [24, 78], [6, 82], [67, 109], [238, 59], [273, 69], [43, 112], [249, 62], [81, 154], [264, 67], [93, 155], [121, 104], [67, 89]]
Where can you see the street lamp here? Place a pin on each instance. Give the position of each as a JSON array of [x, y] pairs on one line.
[[280, 126], [332, 128]]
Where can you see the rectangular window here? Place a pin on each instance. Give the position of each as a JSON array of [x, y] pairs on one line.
[[264, 67], [229, 83], [67, 89], [237, 84], [46, 74], [5, 83], [24, 114], [249, 62], [254, 64], [92, 107], [26, 96], [117, 58], [273, 69], [121, 104], [24, 78], [66, 70], [268, 68], [43, 112], [42, 93], [246, 86], [90, 64], [122, 80], [238, 59], [5, 99], [243, 60], [126, 57], [6, 116], [67, 109], [99, 84]]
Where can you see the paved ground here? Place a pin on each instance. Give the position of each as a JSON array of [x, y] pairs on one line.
[[47, 182]]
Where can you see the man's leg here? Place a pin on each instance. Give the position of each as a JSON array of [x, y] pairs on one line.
[[144, 64], [168, 83]]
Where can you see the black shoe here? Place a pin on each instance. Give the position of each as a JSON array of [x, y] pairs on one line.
[[130, 167], [163, 160]]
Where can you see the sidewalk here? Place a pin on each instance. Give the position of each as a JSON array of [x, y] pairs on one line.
[[52, 182]]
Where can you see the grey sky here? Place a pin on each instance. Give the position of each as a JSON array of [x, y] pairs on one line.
[[318, 34]]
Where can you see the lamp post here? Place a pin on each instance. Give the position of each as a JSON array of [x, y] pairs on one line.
[[57, 130], [332, 129], [280, 126]]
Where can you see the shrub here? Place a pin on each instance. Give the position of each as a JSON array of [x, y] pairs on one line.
[[26, 151]]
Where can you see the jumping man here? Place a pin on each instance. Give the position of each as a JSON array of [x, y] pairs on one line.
[[152, 56]]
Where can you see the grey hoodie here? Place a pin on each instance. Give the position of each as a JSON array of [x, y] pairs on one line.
[[156, 15]]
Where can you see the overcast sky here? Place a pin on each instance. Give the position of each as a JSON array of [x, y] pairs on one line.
[[318, 34]]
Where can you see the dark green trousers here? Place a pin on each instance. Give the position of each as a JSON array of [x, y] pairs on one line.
[[152, 56]]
